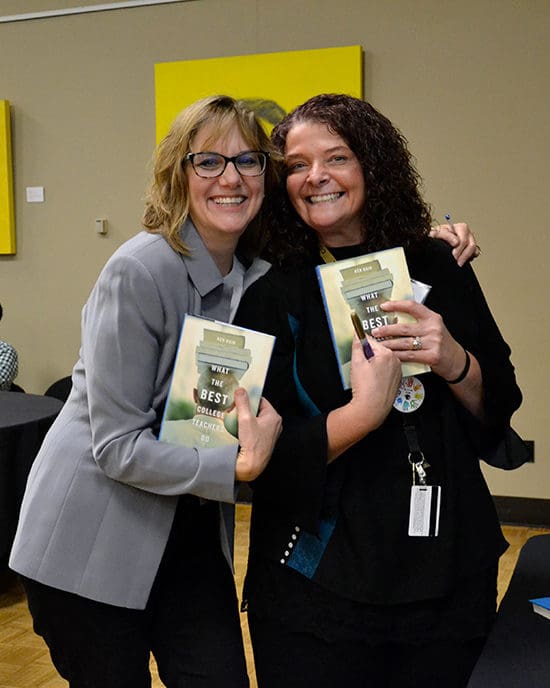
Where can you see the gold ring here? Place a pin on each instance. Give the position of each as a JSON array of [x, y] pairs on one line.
[[417, 344]]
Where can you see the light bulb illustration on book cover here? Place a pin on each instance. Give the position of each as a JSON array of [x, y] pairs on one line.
[[361, 285], [213, 360]]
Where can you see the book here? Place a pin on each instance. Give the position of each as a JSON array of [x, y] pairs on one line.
[[541, 605], [361, 284], [212, 361]]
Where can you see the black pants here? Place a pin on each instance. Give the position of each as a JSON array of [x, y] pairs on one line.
[[191, 622], [288, 659]]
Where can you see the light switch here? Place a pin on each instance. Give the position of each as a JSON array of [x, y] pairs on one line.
[[35, 194], [101, 226]]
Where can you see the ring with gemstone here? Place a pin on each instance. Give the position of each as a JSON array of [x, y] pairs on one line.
[[417, 344]]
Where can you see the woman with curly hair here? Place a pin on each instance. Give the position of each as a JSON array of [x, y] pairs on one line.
[[340, 590]]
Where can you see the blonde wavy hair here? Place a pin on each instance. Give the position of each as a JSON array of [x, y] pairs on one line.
[[167, 199]]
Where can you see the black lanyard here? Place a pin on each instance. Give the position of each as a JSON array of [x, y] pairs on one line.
[[415, 457]]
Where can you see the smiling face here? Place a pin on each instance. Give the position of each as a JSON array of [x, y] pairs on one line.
[[325, 183], [222, 207]]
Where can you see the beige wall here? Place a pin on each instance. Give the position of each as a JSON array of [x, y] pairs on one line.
[[467, 82]]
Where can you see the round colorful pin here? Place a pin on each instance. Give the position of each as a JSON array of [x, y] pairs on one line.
[[410, 395]]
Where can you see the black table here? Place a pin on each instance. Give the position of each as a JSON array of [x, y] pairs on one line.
[[24, 421], [517, 652]]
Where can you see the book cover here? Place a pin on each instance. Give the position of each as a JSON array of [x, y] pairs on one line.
[[541, 605], [361, 284], [213, 359]]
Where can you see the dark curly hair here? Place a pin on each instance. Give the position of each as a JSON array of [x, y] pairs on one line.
[[394, 212]]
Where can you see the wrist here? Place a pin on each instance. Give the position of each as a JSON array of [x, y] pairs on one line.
[[463, 373], [357, 419], [242, 466]]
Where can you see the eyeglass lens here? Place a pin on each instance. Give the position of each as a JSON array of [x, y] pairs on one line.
[[249, 163]]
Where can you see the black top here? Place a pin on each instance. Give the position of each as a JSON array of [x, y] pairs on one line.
[[344, 525]]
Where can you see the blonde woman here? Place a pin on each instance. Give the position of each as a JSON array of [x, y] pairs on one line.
[[125, 542]]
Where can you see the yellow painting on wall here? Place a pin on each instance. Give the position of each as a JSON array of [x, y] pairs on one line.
[[7, 216], [272, 83]]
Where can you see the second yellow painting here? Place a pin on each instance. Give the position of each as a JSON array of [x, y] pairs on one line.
[[7, 214], [272, 83]]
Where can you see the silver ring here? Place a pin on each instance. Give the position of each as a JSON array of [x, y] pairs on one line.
[[417, 344]]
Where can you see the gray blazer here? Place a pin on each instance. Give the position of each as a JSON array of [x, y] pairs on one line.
[[102, 492]]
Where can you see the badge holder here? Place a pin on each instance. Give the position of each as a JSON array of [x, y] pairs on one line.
[[425, 503]]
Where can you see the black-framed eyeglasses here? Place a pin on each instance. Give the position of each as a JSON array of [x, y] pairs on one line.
[[248, 163]]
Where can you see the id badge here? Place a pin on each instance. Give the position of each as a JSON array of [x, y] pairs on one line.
[[424, 510]]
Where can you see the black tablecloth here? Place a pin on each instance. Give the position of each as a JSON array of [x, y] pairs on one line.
[[24, 421], [517, 653]]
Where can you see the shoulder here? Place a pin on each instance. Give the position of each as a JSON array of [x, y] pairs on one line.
[[432, 252], [145, 259], [268, 302], [150, 250], [7, 350], [433, 262], [145, 277], [281, 285]]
